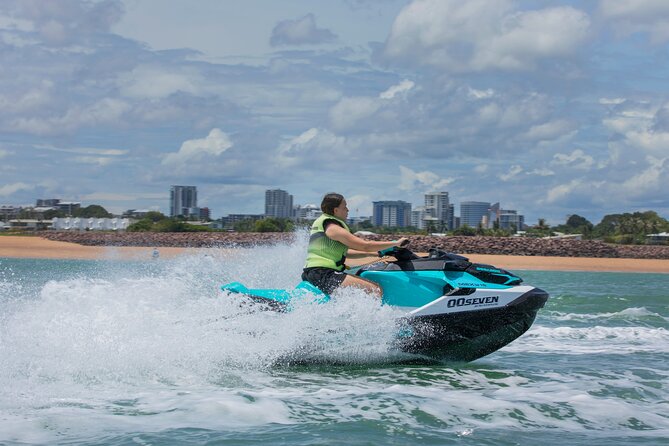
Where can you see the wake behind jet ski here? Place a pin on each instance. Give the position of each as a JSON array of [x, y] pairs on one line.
[[456, 310]]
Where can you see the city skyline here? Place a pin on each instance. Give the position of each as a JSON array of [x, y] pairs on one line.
[[552, 109]]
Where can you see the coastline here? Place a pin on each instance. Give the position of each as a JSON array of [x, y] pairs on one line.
[[40, 248]]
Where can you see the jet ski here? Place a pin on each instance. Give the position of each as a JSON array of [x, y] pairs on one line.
[[455, 310]]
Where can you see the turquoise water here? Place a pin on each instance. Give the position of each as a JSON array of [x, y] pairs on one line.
[[152, 352]]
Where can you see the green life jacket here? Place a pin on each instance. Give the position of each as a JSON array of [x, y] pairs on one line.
[[323, 251]]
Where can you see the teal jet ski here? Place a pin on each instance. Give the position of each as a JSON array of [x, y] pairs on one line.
[[455, 310]]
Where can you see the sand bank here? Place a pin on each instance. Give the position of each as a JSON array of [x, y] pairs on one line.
[[39, 248], [36, 247]]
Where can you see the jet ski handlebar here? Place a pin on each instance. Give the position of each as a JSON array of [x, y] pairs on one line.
[[399, 252]]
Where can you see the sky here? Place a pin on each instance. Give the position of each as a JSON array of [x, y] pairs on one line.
[[550, 108]]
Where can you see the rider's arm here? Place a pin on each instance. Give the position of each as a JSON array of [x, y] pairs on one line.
[[336, 232]]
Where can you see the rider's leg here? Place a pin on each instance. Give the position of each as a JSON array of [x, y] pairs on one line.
[[366, 285]]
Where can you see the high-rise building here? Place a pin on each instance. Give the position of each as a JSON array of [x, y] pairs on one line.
[[418, 217], [474, 213], [511, 220], [392, 213], [278, 204], [182, 198], [437, 207], [453, 221]]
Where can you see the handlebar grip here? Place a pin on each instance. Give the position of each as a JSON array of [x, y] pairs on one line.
[[387, 251]]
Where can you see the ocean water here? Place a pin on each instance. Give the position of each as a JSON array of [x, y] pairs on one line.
[[151, 352]]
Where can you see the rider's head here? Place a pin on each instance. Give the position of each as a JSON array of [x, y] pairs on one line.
[[330, 202]]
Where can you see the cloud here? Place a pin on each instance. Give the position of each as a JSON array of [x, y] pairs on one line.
[[549, 130], [195, 150], [351, 112], [152, 81], [425, 181], [4, 153], [302, 31], [10, 189], [315, 146], [103, 111], [479, 35], [562, 192], [66, 21], [400, 88], [348, 112], [639, 127], [652, 179], [576, 159], [480, 94], [83, 150], [638, 16], [513, 172]]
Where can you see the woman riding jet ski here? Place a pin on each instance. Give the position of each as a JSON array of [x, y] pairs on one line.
[[455, 310], [331, 242]]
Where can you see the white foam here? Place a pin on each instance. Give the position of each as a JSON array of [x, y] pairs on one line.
[[628, 314], [591, 340]]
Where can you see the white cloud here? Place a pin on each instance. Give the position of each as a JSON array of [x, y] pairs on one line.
[[95, 160], [193, 150], [576, 159], [481, 168], [541, 172], [634, 16], [655, 177], [611, 101], [637, 125], [412, 181], [480, 94], [302, 31], [4, 153], [103, 111], [649, 141], [513, 172], [84, 150], [562, 191], [479, 35], [393, 91], [549, 130], [350, 111], [10, 189], [315, 145], [62, 23], [153, 82]]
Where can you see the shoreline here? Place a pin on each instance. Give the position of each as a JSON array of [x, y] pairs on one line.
[[40, 248]]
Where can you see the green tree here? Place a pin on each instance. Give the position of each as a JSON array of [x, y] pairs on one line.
[[576, 224], [155, 216], [465, 230], [630, 227], [143, 225], [92, 211], [272, 224]]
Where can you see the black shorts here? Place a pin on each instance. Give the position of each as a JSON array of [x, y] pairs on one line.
[[325, 279]]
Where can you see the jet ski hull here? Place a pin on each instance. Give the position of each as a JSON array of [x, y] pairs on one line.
[[469, 335]]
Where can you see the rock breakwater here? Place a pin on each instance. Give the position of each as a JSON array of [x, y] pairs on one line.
[[519, 246]]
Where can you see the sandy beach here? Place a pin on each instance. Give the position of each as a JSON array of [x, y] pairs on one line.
[[37, 247]]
